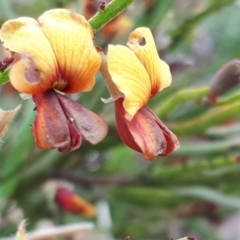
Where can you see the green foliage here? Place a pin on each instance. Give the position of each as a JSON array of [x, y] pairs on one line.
[[146, 199], [4, 77]]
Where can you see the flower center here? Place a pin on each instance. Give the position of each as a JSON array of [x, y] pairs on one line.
[[60, 84]]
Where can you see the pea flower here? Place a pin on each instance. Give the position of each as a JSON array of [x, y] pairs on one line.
[[54, 55], [133, 74], [69, 201]]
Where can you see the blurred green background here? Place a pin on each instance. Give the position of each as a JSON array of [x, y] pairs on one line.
[[195, 191]]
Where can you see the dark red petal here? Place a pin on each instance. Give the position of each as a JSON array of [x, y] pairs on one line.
[[171, 139], [91, 126], [122, 127], [76, 138], [63, 199], [51, 129], [145, 133], [148, 135]]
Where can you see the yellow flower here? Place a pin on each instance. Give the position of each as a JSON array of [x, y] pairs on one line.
[[135, 73], [55, 52]]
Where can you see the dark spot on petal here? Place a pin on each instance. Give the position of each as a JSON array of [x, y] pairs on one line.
[[142, 41]]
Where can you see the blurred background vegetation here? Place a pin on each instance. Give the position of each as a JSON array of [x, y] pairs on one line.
[[195, 191]]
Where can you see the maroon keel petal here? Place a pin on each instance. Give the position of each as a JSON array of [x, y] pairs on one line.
[[171, 139], [145, 133], [51, 128], [122, 127], [91, 126]]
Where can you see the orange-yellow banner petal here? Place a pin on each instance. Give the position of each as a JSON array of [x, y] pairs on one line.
[[130, 77], [71, 37], [141, 42], [25, 37]]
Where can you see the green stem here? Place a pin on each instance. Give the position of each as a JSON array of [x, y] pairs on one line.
[[178, 98], [206, 148], [192, 168], [213, 117], [229, 99], [101, 18]]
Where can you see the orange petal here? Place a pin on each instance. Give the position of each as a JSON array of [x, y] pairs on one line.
[[25, 77], [71, 37], [130, 77], [141, 42], [71, 202], [25, 37]]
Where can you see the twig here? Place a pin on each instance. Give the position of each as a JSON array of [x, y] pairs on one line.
[[110, 181]]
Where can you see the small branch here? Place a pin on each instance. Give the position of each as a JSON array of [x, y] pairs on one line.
[[101, 18], [178, 98], [169, 176], [203, 122], [86, 180]]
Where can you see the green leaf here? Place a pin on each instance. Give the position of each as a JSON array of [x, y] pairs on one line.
[[211, 195], [4, 78]]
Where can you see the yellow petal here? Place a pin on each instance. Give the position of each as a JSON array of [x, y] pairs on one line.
[[141, 42], [71, 38], [25, 37], [115, 93], [130, 77], [26, 79]]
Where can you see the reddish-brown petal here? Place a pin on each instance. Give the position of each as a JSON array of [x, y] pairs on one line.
[[91, 126], [71, 202], [122, 128], [145, 133], [171, 139], [51, 128]]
